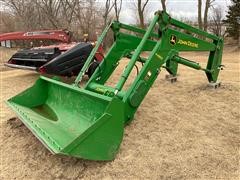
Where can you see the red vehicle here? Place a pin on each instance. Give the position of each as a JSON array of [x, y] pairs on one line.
[[63, 36], [64, 59]]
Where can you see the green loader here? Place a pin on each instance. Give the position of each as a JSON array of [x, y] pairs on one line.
[[87, 121]]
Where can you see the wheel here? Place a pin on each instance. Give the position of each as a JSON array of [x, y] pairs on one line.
[[92, 68]]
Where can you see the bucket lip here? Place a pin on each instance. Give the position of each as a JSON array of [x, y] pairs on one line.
[[78, 89], [33, 130]]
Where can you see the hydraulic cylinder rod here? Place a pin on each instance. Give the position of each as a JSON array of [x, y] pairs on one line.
[[90, 57], [188, 63], [135, 56]]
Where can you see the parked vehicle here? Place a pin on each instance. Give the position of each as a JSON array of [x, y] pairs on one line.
[[62, 59]]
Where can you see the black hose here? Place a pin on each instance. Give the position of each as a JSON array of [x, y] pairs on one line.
[[137, 69]]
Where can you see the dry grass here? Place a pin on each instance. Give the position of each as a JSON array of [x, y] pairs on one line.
[[181, 131], [5, 54]]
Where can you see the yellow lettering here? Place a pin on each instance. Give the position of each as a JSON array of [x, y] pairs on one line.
[[187, 43], [159, 56]]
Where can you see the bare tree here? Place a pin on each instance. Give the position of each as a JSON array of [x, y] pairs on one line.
[[141, 5], [7, 22], [163, 2], [203, 24], [51, 8], [68, 11], [90, 17], [200, 14], [117, 8], [216, 25], [23, 11], [76, 6], [79, 16], [205, 18], [108, 7]]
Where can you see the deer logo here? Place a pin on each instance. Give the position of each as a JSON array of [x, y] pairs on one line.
[[173, 39]]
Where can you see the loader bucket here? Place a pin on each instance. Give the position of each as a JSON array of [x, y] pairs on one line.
[[71, 121]]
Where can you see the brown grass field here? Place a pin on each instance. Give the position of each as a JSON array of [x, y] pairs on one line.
[[183, 130]]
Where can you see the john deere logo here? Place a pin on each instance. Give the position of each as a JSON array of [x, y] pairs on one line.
[[173, 40]]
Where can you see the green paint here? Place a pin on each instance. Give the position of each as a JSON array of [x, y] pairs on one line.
[[45, 111], [88, 122]]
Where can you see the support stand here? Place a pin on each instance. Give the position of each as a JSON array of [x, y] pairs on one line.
[[214, 85], [171, 78]]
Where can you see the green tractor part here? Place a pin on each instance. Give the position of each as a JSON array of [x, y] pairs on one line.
[[88, 122]]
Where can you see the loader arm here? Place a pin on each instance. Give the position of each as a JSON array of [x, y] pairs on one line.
[[172, 37]]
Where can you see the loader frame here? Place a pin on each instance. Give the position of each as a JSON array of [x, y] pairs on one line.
[[172, 37]]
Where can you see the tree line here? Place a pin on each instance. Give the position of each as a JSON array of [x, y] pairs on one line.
[[91, 16]]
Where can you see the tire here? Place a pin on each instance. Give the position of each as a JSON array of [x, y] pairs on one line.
[[92, 68]]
